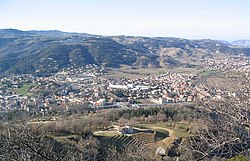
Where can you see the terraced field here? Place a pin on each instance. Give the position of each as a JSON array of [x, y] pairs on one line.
[[179, 130], [145, 137], [141, 138], [120, 141]]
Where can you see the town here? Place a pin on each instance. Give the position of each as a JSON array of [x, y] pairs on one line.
[[223, 64], [86, 88]]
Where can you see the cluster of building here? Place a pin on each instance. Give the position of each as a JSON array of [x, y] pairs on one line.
[[11, 99], [228, 89], [41, 94], [86, 87], [225, 64], [204, 93], [166, 88]]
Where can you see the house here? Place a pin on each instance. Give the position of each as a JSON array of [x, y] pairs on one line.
[[127, 130]]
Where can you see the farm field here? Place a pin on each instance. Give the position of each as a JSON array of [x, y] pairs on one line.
[[153, 135], [24, 90]]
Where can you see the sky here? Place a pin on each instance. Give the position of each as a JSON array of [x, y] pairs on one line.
[[193, 19]]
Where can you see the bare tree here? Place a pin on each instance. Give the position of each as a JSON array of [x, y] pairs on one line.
[[223, 130], [23, 143], [130, 153]]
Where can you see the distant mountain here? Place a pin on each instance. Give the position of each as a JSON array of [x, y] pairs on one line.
[[243, 43], [12, 32], [18, 33], [46, 52], [224, 42]]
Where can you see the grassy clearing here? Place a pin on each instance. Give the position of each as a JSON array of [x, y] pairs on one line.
[[106, 133], [180, 129], [24, 90], [207, 73]]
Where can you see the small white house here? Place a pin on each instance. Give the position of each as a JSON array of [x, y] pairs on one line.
[[127, 130]]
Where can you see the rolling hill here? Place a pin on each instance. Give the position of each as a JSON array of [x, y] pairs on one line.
[[242, 43], [46, 52]]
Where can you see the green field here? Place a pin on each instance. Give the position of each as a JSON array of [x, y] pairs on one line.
[[106, 133], [207, 73], [24, 90]]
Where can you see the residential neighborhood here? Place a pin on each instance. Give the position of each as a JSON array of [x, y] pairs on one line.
[[86, 88], [223, 64]]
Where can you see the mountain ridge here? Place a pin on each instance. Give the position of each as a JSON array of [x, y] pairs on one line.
[[242, 43], [46, 52]]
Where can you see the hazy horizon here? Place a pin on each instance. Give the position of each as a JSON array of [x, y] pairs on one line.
[[130, 35], [190, 19]]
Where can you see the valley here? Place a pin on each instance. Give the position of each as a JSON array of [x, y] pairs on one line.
[[116, 97]]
